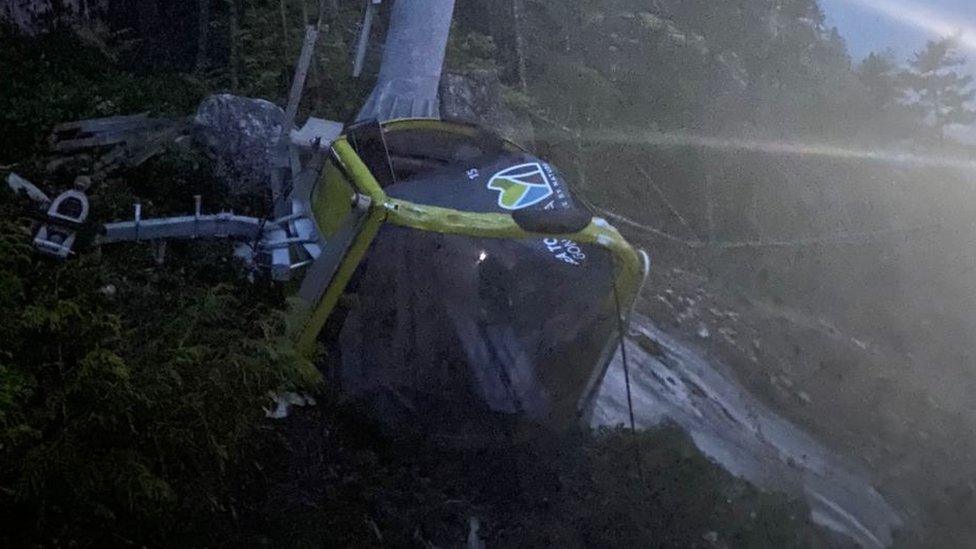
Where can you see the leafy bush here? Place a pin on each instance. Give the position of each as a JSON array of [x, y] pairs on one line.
[[471, 51], [127, 390]]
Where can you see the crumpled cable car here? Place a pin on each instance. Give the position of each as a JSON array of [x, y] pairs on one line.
[[477, 284]]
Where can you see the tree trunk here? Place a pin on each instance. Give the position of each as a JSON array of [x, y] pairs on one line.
[[234, 46], [518, 14], [148, 20], [285, 37], [203, 35], [324, 14]]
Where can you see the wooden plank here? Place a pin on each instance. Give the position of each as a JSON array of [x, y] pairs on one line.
[[90, 142], [298, 82], [154, 144], [92, 125], [116, 123], [112, 136]]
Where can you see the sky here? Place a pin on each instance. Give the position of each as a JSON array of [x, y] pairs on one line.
[[904, 26]]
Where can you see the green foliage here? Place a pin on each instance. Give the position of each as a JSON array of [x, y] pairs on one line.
[[627, 64], [883, 110], [123, 407], [879, 74], [940, 94], [471, 51], [128, 391], [270, 39], [518, 100], [705, 66], [56, 78]]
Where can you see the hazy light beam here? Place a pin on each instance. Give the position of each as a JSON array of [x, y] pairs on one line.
[[780, 147]]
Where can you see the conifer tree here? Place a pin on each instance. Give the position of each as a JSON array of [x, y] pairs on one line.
[[941, 95]]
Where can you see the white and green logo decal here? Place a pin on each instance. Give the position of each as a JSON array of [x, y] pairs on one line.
[[521, 186]]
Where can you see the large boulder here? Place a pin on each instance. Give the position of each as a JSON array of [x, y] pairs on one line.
[[476, 96], [240, 134]]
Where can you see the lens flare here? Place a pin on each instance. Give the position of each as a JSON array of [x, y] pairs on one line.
[[925, 19]]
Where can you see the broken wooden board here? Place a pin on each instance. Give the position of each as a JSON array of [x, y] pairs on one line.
[[124, 141], [104, 132]]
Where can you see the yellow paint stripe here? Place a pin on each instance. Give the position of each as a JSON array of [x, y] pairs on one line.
[[448, 221]]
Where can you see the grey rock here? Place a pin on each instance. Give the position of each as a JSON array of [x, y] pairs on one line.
[[476, 96], [241, 134]]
